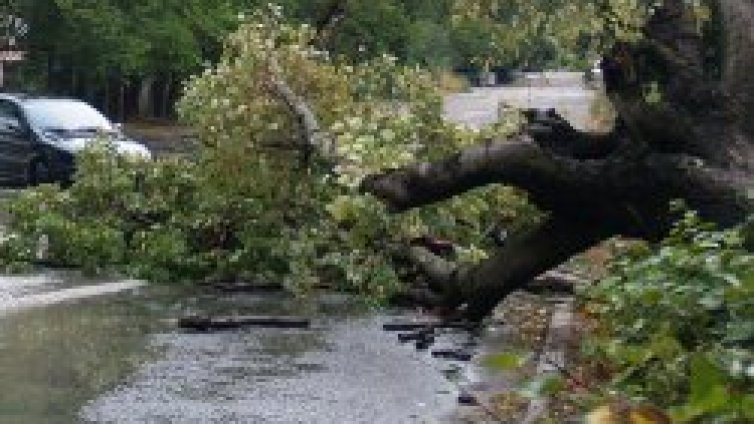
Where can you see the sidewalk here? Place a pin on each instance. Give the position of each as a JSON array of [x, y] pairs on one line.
[[540, 328]]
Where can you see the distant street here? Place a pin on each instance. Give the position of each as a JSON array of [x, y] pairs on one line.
[[564, 91]]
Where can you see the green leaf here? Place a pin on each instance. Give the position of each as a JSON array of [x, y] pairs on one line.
[[504, 361], [708, 389], [665, 346], [747, 406], [740, 331], [547, 385]]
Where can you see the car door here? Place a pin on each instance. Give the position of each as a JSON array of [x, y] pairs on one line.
[[15, 144]]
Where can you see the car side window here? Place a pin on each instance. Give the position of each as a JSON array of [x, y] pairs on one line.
[[10, 118]]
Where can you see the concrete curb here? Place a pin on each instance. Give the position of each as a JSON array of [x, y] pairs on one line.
[[552, 358]]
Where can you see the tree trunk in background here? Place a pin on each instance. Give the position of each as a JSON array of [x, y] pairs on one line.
[[738, 75], [74, 83], [166, 96], [122, 101], [697, 144], [90, 88], [50, 74], [146, 98], [107, 107]]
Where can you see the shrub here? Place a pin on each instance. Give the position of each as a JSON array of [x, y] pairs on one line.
[[252, 203], [675, 324]]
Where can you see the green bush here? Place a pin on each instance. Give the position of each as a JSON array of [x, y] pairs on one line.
[[251, 204], [676, 324]]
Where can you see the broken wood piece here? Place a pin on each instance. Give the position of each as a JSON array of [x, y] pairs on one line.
[[457, 355], [412, 337], [426, 325], [467, 399], [235, 322], [247, 287], [425, 343]]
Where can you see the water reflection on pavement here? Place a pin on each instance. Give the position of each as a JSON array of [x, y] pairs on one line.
[[121, 359]]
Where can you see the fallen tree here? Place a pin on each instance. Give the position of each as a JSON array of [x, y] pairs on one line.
[[696, 143], [291, 138]]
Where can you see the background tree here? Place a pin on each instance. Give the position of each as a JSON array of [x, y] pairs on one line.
[[128, 57], [113, 52]]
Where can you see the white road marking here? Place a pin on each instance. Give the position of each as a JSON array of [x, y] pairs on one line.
[[67, 295]]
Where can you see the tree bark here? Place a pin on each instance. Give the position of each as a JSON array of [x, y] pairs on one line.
[[106, 108], [146, 98], [167, 90], [738, 18], [313, 138], [478, 288], [122, 101]]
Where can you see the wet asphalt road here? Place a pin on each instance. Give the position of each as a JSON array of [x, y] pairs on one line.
[[122, 359]]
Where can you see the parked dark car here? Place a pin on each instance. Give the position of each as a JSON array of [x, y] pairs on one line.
[[40, 136]]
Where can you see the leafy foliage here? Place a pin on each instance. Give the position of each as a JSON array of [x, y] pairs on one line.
[[676, 324], [381, 115], [100, 39], [254, 203]]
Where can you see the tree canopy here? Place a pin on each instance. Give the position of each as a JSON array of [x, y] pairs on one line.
[[142, 37], [128, 37]]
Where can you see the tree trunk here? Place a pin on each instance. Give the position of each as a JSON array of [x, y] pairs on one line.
[[479, 288], [90, 89], [122, 102], [74, 83], [166, 92], [697, 144], [106, 102], [738, 18], [146, 103]]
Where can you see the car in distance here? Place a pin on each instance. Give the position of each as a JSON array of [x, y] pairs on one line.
[[40, 136]]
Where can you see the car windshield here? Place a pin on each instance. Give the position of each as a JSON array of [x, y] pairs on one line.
[[65, 115]]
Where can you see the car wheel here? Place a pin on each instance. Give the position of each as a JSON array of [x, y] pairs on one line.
[[39, 173]]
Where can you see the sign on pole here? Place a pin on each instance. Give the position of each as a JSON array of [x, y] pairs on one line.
[[12, 55], [7, 56]]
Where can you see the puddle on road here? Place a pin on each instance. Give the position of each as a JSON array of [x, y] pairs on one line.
[[54, 359], [120, 360]]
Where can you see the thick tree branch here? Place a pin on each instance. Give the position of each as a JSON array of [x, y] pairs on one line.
[[514, 265], [519, 162], [720, 195], [523, 259], [553, 132], [437, 269], [622, 195], [314, 138]]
